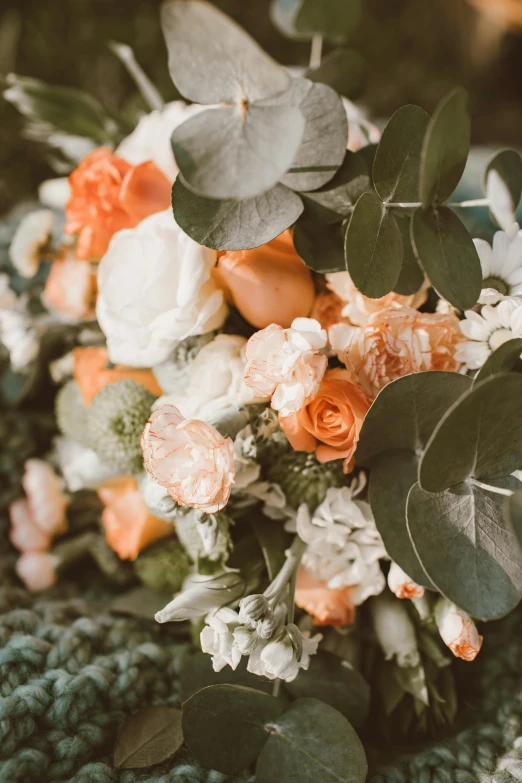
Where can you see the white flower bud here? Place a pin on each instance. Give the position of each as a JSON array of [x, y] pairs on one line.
[[401, 585], [201, 595], [267, 626], [278, 659], [253, 608], [394, 630], [218, 640], [457, 630], [246, 639]]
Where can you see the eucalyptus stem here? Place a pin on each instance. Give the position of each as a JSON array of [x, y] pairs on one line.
[[316, 52], [287, 573], [147, 89], [489, 488], [474, 202]]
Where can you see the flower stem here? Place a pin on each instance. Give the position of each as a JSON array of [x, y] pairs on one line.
[[148, 91], [316, 52], [474, 202], [287, 573], [489, 488]]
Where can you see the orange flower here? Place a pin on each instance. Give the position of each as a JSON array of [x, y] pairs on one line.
[[70, 288], [269, 284], [330, 423], [457, 630], [91, 373], [129, 526], [328, 310], [327, 607], [109, 194]]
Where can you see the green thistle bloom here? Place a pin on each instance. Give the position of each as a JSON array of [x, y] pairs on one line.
[[116, 419], [163, 567], [71, 413], [302, 478]]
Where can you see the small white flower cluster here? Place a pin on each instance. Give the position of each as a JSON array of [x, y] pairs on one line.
[[17, 332]]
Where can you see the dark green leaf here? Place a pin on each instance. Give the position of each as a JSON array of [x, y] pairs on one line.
[[320, 246], [224, 726], [198, 673], [447, 254], [335, 200], [274, 541], [411, 277], [373, 247], [334, 19], [504, 359], [235, 225], [140, 602], [503, 186], [335, 682], [480, 436], [445, 149], [148, 737], [467, 548], [311, 742], [368, 154], [344, 70], [397, 162]]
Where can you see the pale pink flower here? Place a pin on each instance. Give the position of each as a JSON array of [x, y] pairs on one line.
[[457, 630], [190, 458], [25, 535], [401, 585], [286, 364], [46, 501], [37, 570]]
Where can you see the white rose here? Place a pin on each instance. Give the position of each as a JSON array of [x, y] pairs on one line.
[[150, 140], [155, 288]]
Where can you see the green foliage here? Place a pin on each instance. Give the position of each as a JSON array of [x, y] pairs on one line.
[[334, 201], [163, 567], [198, 673], [397, 161], [148, 737], [514, 511], [336, 20], [320, 246], [302, 478], [503, 186], [342, 69], [411, 277], [274, 542]]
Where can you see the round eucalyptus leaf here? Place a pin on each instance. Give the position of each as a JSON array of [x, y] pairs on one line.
[[480, 436], [336, 20], [311, 742], [411, 277], [212, 60], [447, 254], [235, 225], [320, 246], [504, 359], [335, 200], [397, 162], [342, 69], [198, 673], [467, 548], [503, 186], [282, 15], [368, 154], [373, 247], [225, 728], [230, 153], [445, 149], [334, 681], [148, 737]]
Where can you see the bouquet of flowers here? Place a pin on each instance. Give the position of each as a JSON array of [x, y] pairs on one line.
[[287, 389]]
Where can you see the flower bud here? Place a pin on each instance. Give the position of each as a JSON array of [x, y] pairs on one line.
[[401, 585], [246, 639], [457, 629], [201, 595], [394, 630], [267, 626], [253, 608]]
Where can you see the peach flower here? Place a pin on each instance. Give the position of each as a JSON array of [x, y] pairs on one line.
[[109, 194], [285, 364], [93, 371], [190, 458], [457, 630], [328, 310], [268, 284], [25, 535], [401, 585], [358, 308], [42, 511], [70, 288], [326, 606], [37, 570], [129, 526], [330, 423], [397, 342]]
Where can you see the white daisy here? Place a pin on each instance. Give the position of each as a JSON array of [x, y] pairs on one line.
[[501, 266], [488, 330], [30, 240]]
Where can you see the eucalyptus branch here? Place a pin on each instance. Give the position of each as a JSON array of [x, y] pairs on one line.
[[489, 488], [316, 51], [475, 202], [147, 89], [287, 573]]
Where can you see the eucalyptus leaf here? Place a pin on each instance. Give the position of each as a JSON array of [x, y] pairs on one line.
[[224, 726], [445, 149], [148, 737], [282, 14], [504, 359], [503, 186], [334, 19], [336, 199], [373, 247], [198, 673], [467, 548], [397, 162], [447, 254], [235, 225], [229, 153], [514, 509], [368, 154], [334, 681], [342, 69], [480, 436], [320, 246], [274, 542], [411, 277], [311, 742]]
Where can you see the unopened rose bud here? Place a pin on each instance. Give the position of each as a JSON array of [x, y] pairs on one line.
[[457, 630], [253, 609], [394, 630], [401, 585], [201, 595]]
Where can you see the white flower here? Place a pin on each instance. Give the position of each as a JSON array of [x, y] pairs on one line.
[[17, 332], [217, 638], [488, 330], [401, 585], [457, 630], [80, 466], [285, 656], [155, 288], [344, 545], [501, 266], [394, 630], [202, 595], [31, 237], [150, 140], [55, 192]]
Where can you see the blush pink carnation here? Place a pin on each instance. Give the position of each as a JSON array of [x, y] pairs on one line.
[[189, 458], [39, 516], [37, 570]]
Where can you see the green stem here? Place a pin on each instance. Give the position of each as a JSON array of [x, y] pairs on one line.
[[316, 52], [475, 202], [288, 572], [147, 89], [489, 488]]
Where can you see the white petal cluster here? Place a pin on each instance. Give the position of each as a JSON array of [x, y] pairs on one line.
[[17, 332], [488, 330], [31, 236], [501, 265]]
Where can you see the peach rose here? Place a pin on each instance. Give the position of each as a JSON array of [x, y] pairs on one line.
[[327, 607], [37, 570], [190, 458], [400, 341], [285, 364], [457, 630], [358, 308], [401, 585], [269, 284], [109, 194], [92, 371], [70, 288], [129, 526]]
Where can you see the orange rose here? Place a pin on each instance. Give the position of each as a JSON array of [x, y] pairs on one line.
[[70, 288], [91, 373], [107, 195], [330, 423], [129, 526], [269, 284], [327, 607]]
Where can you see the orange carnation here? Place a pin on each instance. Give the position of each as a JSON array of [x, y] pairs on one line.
[[326, 606], [91, 373], [109, 194], [330, 423]]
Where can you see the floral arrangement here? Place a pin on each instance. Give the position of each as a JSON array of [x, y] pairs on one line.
[[287, 389]]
